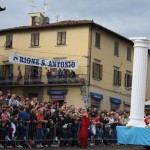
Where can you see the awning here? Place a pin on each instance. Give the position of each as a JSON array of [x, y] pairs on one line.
[[115, 100], [127, 103], [147, 102], [57, 92], [96, 95]]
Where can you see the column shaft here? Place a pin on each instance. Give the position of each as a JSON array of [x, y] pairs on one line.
[[138, 85]]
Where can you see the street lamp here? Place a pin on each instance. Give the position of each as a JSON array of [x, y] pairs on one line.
[[2, 9]]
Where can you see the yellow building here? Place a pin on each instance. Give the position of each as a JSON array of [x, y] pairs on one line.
[[104, 59]]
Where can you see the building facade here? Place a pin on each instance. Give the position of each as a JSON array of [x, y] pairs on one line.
[[104, 75]]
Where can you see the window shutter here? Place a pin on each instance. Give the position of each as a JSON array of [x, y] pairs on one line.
[[128, 53], [100, 72], [116, 48], [97, 41], [93, 70], [58, 38], [125, 80], [130, 81], [63, 38], [9, 41], [115, 77], [119, 76], [32, 39], [37, 39]]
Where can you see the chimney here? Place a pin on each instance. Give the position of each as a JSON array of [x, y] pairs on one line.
[[36, 19]]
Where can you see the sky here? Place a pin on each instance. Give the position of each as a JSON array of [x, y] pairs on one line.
[[129, 18]]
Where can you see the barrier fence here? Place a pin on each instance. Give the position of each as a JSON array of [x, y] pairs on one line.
[[38, 134]]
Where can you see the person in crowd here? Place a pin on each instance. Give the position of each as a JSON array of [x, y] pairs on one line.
[[113, 121], [34, 102], [44, 124], [12, 100], [60, 74], [19, 77], [99, 127], [147, 119], [2, 100], [48, 74], [39, 127], [1, 95], [64, 73], [19, 101], [10, 78], [126, 119], [72, 74], [83, 133], [54, 73]]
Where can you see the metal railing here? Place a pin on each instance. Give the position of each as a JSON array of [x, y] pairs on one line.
[[34, 133], [28, 80]]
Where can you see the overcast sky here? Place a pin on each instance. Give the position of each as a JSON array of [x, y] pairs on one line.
[[126, 17]]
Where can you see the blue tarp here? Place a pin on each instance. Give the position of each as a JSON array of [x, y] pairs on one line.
[[133, 135]]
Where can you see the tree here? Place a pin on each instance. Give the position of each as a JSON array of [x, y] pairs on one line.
[[2, 9]]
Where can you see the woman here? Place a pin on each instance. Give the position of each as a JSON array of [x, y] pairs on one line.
[[83, 133]]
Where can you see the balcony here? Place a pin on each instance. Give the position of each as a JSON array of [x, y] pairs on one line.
[[42, 81]]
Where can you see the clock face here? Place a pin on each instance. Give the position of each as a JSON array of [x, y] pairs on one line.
[[37, 19]]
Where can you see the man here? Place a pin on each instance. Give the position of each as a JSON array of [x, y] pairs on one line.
[[39, 127], [23, 115], [34, 101], [13, 101], [72, 74], [48, 74]]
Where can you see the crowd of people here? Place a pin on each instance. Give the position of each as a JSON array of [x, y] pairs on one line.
[[61, 75], [28, 122]]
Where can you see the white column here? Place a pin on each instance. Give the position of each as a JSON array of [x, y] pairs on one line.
[[140, 59]]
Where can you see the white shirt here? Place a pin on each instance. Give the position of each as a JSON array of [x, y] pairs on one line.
[[13, 102], [111, 120]]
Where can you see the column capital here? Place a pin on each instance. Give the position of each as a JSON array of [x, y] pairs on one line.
[[141, 42]]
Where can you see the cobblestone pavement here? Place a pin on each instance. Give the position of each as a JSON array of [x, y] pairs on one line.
[[100, 147]]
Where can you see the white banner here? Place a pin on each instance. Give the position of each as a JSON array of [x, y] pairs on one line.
[[21, 59]]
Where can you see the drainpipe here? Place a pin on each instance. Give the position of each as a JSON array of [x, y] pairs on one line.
[[89, 62]]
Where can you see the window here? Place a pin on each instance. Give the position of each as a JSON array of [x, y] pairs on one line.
[[9, 39], [97, 40], [35, 39], [61, 38], [128, 79], [5, 70], [128, 53], [97, 71], [33, 21], [117, 77], [116, 48]]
